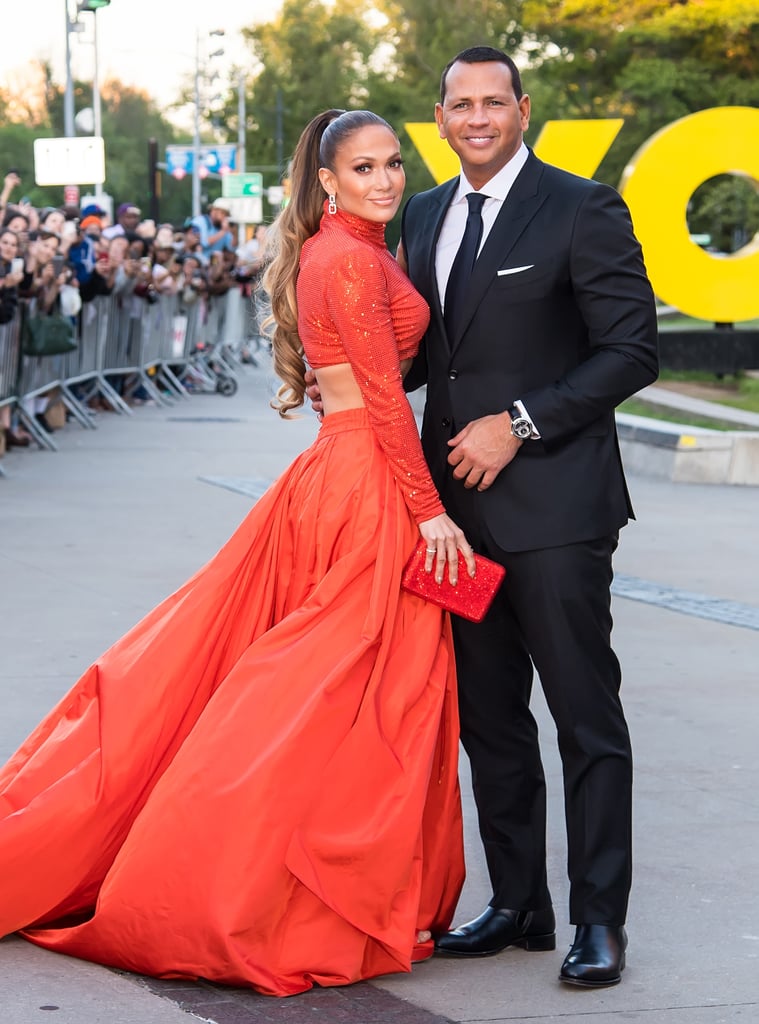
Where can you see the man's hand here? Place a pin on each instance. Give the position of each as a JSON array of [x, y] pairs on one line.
[[314, 394], [482, 449]]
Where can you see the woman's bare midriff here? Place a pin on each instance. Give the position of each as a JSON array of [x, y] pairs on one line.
[[338, 387]]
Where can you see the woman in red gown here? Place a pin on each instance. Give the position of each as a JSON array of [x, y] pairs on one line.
[[257, 785]]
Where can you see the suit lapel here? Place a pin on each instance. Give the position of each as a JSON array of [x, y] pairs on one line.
[[430, 232], [520, 206]]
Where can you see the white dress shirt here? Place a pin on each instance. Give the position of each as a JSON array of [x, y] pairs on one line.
[[455, 219], [452, 230]]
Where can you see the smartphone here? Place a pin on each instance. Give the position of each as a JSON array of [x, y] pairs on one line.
[[17, 265], [145, 262], [58, 261]]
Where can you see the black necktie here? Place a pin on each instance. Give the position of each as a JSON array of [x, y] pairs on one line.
[[463, 262]]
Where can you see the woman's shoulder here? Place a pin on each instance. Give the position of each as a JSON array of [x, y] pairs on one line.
[[338, 251]]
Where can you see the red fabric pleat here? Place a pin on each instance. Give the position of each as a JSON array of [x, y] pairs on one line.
[[257, 783]]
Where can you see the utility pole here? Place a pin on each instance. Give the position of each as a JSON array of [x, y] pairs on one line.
[[279, 130], [196, 133], [241, 116], [96, 110], [241, 144], [68, 96], [154, 181], [196, 149]]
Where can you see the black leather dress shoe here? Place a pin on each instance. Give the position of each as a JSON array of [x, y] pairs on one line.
[[597, 956], [496, 929]]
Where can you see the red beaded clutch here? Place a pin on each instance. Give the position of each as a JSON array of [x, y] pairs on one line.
[[470, 598]]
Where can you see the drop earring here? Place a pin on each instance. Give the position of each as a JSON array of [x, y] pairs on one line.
[[331, 206]]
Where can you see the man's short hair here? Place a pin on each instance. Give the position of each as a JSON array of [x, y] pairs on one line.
[[483, 55]]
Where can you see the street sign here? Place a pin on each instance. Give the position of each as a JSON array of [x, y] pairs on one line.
[[246, 210], [242, 186], [213, 160], [69, 161]]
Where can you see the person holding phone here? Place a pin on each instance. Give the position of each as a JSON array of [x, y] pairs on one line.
[[166, 269], [213, 228], [11, 181], [11, 275], [103, 277]]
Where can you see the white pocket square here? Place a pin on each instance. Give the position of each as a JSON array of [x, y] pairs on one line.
[[515, 270]]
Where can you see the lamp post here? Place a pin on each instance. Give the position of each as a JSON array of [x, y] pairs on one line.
[[74, 25], [196, 124]]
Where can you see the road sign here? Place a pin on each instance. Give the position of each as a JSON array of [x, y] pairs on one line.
[[246, 210], [242, 186], [69, 161], [213, 159]]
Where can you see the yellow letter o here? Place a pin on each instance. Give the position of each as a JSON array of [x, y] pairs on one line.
[[657, 186]]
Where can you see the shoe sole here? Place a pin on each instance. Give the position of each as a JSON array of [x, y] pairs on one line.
[[531, 943], [590, 984]]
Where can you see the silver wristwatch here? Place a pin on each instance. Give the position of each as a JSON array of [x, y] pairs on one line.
[[521, 424]]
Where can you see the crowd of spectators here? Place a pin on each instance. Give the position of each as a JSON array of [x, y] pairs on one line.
[[55, 259]]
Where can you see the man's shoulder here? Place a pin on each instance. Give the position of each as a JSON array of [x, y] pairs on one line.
[[558, 179], [432, 196]]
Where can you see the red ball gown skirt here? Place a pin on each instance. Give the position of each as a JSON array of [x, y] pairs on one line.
[[258, 783]]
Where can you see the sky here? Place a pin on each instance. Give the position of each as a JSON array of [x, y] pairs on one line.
[[150, 44]]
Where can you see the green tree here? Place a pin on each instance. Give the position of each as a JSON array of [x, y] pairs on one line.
[[648, 61], [312, 56], [129, 118], [727, 209]]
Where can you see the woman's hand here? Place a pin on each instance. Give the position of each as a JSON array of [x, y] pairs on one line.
[[444, 541], [11, 280]]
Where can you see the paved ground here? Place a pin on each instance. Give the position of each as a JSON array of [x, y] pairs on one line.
[[97, 533]]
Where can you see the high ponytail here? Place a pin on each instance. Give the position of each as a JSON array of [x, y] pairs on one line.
[[298, 221], [317, 147]]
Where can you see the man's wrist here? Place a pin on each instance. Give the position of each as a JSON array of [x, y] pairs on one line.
[[522, 425]]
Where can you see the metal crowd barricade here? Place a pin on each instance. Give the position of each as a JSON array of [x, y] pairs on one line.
[[36, 376], [10, 349], [167, 338], [119, 337], [83, 374]]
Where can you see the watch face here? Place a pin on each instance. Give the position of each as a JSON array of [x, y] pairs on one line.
[[521, 428]]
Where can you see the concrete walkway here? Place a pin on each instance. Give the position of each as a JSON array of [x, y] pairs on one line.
[[96, 534], [741, 418]]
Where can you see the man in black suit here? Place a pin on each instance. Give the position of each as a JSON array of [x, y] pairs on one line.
[[525, 360]]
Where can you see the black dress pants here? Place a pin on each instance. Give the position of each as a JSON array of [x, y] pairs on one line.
[[552, 612]]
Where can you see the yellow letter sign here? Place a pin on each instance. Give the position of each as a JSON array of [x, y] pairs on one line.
[[657, 185]]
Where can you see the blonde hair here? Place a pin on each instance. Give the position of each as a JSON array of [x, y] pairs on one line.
[[299, 220]]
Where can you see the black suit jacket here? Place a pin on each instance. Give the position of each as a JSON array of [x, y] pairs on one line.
[[570, 329]]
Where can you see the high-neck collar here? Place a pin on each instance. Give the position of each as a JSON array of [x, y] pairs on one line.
[[368, 230]]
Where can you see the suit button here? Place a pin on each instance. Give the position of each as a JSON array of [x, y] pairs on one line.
[[446, 422], [453, 374]]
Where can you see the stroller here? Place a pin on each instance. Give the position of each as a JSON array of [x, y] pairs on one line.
[[209, 370]]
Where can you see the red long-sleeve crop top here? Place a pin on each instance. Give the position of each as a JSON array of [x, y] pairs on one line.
[[356, 305]]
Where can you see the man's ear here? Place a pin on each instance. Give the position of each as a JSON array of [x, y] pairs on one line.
[[439, 120]]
